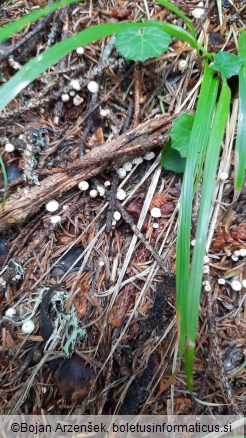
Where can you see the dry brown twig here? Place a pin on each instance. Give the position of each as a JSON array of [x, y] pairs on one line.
[[135, 142]]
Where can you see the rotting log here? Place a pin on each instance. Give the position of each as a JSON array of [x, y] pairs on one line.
[[27, 201]]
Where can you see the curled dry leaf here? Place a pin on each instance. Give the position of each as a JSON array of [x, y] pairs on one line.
[[80, 301], [134, 209], [121, 14], [162, 202], [119, 310], [239, 233]]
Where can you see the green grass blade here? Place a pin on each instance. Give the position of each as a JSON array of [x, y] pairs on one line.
[[210, 111], [195, 285], [240, 150], [175, 10], [219, 6], [201, 125], [5, 181], [42, 62], [12, 28]]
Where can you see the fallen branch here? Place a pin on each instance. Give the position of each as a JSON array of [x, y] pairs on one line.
[[27, 202]]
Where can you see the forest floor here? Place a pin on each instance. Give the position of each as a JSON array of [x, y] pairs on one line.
[[99, 286]]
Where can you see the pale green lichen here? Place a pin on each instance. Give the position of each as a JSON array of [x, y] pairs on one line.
[[65, 323]]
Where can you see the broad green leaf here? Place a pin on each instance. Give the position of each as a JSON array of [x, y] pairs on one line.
[[240, 150], [142, 43], [14, 27], [227, 64], [175, 10], [42, 62], [180, 133], [172, 160]]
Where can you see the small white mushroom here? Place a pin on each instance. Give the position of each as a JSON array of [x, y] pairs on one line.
[[149, 156], [242, 252], [55, 219], [10, 312], [155, 212], [93, 87], [234, 258], [77, 100], [101, 190], [83, 185], [65, 97], [182, 65], [236, 253], [75, 84], [80, 50], [127, 167], [193, 242], [206, 269], [221, 281], [93, 193], [9, 147], [138, 160], [206, 259], [198, 12], [207, 288], [27, 327], [104, 112], [244, 283], [107, 183], [155, 225], [121, 172], [52, 206], [117, 216], [120, 195], [236, 285], [223, 176]]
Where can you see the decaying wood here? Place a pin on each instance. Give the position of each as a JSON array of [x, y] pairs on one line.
[[26, 202]]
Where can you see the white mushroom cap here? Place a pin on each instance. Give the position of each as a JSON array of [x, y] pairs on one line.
[[182, 65], [80, 50], [93, 87], [10, 312], [52, 206], [9, 147], [55, 219], [117, 215], [65, 97], [75, 84], [149, 156], [83, 185], [155, 212], [120, 195], [236, 285], [221, 281], [121, 173], [27, 327], [93, 193]]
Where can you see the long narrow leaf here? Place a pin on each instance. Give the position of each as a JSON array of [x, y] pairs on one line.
[[14, 27], [175, 10], [195, 285], [5, 181], [42, 62], [241, 128], [210, 111], [201, 125]]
